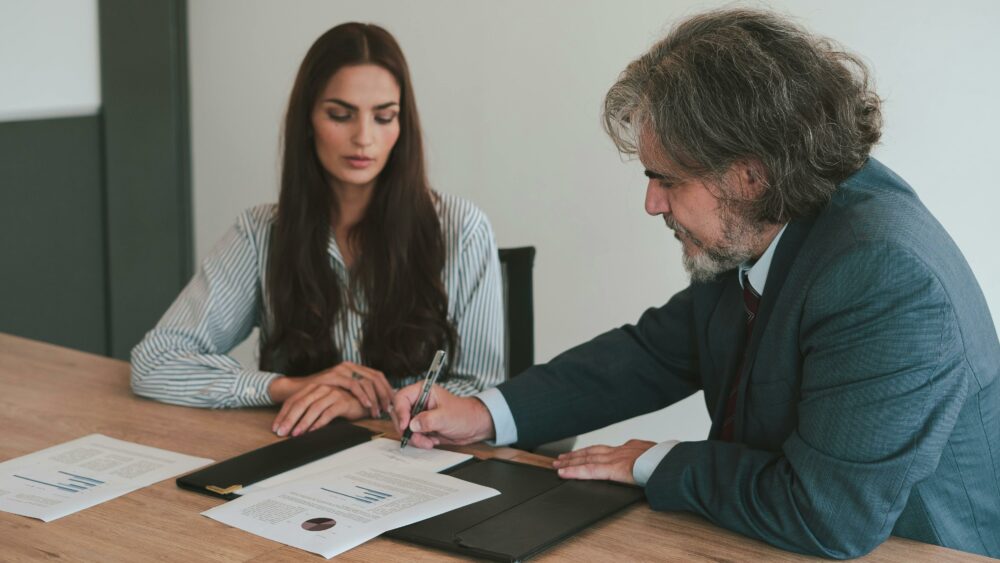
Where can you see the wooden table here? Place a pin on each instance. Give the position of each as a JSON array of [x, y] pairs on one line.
[[49, 395]]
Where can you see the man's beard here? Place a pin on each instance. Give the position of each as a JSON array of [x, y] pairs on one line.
[[739, 238]]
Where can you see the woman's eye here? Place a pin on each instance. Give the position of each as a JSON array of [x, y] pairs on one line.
[[385, 119], [340, 117]]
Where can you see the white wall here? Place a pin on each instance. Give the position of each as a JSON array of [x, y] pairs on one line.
[[49, 60], [510, 96]]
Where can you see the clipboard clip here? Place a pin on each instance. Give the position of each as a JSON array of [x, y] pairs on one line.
[[224, 491]]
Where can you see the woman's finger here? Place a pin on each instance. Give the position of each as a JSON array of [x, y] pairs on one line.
[[346, 375], [286, 406], [376, 407], [364, 393], [339, 408], [360, 385], [383, 390], [315, 408], [297, 405]]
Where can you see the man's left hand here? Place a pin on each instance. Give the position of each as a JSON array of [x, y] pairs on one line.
[[602, 462]]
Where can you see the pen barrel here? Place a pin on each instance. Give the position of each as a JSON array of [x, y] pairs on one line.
[[425, 391], [421, 402]]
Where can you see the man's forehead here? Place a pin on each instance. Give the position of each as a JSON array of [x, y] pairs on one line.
[[651, 153]]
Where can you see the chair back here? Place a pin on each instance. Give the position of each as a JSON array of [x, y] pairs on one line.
[[519, 307]]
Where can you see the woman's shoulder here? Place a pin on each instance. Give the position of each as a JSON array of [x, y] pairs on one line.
[[254, 223], [243, 247], [252, 228], [258, 219], [460, 218]]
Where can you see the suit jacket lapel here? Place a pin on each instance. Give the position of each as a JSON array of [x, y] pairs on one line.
[[784, 256]]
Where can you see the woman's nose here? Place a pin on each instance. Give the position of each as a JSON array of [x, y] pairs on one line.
[[363, 134]]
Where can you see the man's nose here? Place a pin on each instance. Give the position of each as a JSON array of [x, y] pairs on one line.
[[657, 200]]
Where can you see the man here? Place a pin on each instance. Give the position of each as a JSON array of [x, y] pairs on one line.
[[846, 352]]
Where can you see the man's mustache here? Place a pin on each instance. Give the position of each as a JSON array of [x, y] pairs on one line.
[[673, 225]]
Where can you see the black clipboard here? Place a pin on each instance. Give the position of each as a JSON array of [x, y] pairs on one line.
[[535, 510], [223, 479]]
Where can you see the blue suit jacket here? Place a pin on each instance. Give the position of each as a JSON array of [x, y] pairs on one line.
[[870, 404]]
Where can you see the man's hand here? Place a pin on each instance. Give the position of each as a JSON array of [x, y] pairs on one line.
[[602, 462], [367, 385], [447, 419], [314, 406]]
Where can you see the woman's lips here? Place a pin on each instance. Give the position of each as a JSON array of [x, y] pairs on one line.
[[359, 161]]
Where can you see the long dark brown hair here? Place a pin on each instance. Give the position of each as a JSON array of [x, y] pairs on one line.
[[402, 251]]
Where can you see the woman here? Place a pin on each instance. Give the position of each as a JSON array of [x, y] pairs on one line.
[[357, 276]]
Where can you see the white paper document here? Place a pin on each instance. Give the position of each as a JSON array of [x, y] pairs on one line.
[[381, 450], [344, 508], [78, 474]]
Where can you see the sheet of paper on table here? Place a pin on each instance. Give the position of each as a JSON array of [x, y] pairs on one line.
[[330, 513], [78, 474], [383, 449]]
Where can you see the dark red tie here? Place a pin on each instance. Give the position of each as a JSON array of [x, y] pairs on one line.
[[751, 300]]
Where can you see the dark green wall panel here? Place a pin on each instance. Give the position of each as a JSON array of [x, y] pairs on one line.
[[52, 259], [95, 211], [147, 162]]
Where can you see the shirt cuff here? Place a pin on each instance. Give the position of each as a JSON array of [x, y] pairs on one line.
[[644, 466], [251, 388], [503, 420]]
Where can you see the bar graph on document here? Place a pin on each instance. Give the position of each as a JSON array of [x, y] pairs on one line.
[[59, 480], [78, 474], [362, 494]]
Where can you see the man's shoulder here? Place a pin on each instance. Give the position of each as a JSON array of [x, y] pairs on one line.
[[877, 207], [877, 234]]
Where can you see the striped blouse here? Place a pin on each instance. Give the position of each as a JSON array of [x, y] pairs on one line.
[[184, 360]]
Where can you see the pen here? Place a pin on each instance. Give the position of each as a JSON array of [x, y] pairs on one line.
[[418, 407]]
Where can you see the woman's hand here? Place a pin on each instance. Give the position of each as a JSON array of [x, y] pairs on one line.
[[369, 386], [314, 406]]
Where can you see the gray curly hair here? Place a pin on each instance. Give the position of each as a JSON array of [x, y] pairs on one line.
[[730, 85]]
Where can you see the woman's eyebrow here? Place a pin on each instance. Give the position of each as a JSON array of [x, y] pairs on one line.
[[353, 107]]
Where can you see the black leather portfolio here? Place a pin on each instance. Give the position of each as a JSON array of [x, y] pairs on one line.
[[224, 478], [535, 510]]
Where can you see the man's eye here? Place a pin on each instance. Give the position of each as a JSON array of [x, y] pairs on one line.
[[660, 179], [340, 117]]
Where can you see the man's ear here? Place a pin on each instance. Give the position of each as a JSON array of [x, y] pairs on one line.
[[751, 178]]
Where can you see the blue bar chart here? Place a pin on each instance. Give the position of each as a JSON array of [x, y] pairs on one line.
[[66, 482], [362, 494]]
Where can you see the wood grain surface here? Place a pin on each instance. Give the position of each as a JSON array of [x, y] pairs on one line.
[[50, 395]]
